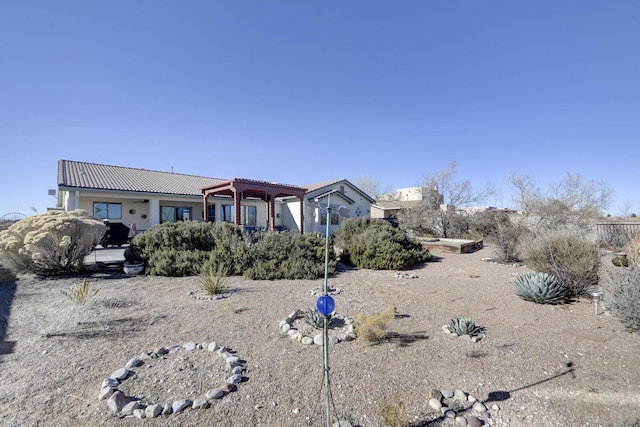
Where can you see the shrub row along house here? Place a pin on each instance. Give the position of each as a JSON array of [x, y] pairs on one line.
[[145, 198]]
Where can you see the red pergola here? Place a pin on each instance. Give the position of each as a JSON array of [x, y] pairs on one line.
[[240, 189]]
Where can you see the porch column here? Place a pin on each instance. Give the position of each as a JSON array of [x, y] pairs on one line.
[[302, 209], [206, 208], [272, 212], [237, 196]]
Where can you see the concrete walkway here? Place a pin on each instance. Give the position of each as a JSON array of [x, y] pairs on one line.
[[105, 255]]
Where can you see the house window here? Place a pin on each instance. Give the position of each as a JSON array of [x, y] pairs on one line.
[[173, 214], [103, 210], [248, 214], [211, 213], [335, 218], [228, 213]]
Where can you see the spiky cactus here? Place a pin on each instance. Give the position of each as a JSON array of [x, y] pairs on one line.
[[541, 288], [314, 318], [463, 326]]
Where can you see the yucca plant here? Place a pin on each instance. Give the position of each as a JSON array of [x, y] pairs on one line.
[[314, 318], [541, 288], [80, 294], [464, 326], [212, 280]]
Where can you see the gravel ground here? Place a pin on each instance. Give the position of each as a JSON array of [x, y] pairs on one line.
[[537, 365]]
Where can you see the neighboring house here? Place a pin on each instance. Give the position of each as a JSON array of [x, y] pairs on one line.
[[389, 205], [146, 198]]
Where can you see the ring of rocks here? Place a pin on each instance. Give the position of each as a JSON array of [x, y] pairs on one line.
[[474, 338], [122, 405], [289, 326], [444, 401]]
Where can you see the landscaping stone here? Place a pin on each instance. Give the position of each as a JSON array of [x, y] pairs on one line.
[[180, 405], [118, 402], [153, 411]]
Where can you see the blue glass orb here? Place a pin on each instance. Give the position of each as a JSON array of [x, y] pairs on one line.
[[326, 305]]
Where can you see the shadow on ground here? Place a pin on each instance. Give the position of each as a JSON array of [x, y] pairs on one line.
[[8, 287]]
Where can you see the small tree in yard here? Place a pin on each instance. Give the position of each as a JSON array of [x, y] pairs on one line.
[[442, 197], [557, 222], [52, 242], [574, 203]]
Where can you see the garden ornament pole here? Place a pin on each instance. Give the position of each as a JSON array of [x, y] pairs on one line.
[[326, 307]]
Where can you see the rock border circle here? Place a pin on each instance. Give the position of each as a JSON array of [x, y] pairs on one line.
[[480, 413], [287, 326], [123, 405]]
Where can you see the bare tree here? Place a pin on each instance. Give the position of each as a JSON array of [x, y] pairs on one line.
[[442, 197], [370, 186], [572, 203], [625, 209]]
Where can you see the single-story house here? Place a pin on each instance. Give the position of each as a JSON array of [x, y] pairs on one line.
[[145, 198]]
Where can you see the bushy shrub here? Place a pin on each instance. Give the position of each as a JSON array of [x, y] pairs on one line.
[[373, 327], [375, 244], [282, 255], [54, 242], [621, 293], [497, 227], [569, 257], [394, 413], [184, 248]]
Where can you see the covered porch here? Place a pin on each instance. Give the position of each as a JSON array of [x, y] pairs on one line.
[[243, 189]]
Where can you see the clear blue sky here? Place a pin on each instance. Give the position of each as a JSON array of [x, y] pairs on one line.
[[300, 92]]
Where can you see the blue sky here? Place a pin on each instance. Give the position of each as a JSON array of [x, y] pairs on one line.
[[300, 92]]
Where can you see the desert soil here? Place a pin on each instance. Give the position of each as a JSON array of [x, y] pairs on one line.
[[538, 365]]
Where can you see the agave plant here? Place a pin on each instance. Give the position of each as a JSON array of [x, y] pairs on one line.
[[314, 318], [541, 288], [464, 326]]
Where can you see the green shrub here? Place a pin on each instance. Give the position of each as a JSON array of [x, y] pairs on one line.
[[621, 294], [282, 255], [620, 261], [541, 288], [569, 257], [54, 242], [185, 248], [375, 244]]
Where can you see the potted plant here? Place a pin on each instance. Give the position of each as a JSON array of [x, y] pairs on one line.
[[133, 263]]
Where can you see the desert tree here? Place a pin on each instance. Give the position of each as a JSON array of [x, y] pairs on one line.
[[370, 186], [444, 197], [626, 209], [573, 203]]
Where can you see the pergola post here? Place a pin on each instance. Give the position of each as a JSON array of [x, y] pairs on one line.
[[302, 209], [237, 196]]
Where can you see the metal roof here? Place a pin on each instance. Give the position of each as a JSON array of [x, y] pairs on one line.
[[72, 174]]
